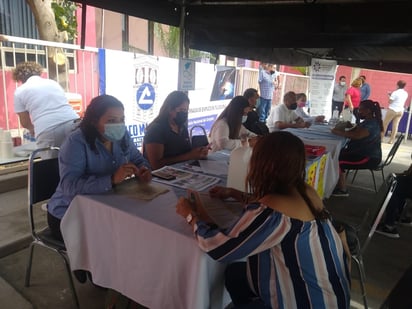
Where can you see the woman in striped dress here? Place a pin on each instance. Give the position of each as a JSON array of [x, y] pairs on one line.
[[294, 256]]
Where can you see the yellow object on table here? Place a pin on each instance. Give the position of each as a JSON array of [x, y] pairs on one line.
[[315, 173]]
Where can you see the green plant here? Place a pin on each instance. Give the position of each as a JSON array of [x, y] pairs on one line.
[[65, 16], [169, 38], [303, 70]]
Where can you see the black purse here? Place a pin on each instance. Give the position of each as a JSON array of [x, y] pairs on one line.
[[198, 140]]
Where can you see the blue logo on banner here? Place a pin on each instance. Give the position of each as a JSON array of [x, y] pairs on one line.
[[145, 96]]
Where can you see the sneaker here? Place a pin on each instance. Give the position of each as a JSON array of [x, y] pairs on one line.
[[406, 221], [387, 231], [339, 192]]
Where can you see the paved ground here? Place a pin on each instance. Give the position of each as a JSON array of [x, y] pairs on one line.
[[385, 259]]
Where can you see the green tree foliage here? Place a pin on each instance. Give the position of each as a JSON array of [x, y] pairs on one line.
[[65, 16], [169, 38]]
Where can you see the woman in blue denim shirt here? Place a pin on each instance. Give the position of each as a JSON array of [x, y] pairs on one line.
[[95, 157]]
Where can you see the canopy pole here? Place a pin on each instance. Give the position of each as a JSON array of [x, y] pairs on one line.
[[83, 29], [182, 43], [408, 122]]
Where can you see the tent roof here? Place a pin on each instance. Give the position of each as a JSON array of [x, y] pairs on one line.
[[372, 34]]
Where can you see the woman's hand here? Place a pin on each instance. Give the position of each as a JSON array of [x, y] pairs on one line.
[[220, 192], [183, 207], [199, 152], [320, 118], [253, 140], [124, 171], [144, 174]]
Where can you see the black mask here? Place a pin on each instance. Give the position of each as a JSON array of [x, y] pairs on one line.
[[272, 72], [293, 106], [181, 118]]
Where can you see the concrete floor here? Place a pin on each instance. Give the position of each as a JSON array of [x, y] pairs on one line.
[[385, 259]]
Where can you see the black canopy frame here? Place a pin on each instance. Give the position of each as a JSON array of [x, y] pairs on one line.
[[373, 34]]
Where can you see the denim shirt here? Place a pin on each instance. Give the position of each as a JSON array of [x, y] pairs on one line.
[[266, 84], [85, 171]]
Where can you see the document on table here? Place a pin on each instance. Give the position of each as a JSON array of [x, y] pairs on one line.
[[214, 167], [223, 213], [142, 191], [184, 179]]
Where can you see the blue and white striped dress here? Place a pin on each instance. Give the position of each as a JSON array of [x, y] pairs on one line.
[[291, 263]]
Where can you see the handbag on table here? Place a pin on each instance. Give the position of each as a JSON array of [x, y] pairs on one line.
[[198, 140]]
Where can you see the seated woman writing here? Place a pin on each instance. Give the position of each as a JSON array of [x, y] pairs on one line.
[[364, 147], [228, 128], [95, 157], [166, 139], [295, 257]]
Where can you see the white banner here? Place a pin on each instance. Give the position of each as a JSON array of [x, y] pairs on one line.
[[142, 82], [322, 77]]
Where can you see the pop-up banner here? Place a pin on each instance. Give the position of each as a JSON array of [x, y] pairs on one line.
[[142, 82]]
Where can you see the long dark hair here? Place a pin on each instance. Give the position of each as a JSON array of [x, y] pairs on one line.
[[375, 108], [96, 109], [173, 100], [233, 114], [277, 166]]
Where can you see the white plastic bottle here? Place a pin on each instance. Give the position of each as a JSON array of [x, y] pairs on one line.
[[335, 114], [238, 167]]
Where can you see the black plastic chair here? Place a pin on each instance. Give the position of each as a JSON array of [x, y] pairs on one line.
[[43, 180], [371, 219], [383, 164]]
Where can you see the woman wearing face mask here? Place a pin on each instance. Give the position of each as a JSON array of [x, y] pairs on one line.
[[95, 157], [364, 147], [227, 131], [301, 101], [166, 139]]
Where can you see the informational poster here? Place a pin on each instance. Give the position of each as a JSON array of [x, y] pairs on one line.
[[187, 75], [142, 82], [322, 76], [224, 85]]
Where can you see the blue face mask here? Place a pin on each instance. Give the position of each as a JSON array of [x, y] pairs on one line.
[[114, 131], [244, 118]]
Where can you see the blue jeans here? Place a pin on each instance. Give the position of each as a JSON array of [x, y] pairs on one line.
[[263, 109]]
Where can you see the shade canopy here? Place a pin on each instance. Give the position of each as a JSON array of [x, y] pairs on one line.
[[372, 34]]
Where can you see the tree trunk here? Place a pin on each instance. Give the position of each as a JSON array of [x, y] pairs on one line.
[[46, 25]]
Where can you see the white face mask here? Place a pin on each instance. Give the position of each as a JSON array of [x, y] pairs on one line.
[[244, 118], [342, 83]]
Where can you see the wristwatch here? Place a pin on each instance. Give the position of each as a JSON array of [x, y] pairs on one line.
[[189, 218]]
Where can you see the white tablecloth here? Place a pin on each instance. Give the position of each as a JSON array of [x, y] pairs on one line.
[[320, 135], [143, 250]]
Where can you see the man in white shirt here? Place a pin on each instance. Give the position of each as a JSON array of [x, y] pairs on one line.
[[42, 106], [283, 116], [395, 110]]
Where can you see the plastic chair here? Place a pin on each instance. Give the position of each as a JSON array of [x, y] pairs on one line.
[[43, 180], [382, 165], [358, 247]]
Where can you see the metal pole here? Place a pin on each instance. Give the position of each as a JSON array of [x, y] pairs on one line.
[[408, 122], [150, 37], [83, 29], [182, 31]]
